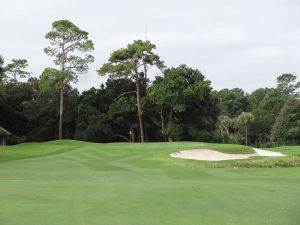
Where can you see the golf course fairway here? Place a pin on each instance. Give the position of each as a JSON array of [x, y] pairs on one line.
[[79, 183]]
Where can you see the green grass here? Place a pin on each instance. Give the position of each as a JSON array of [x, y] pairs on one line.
[[78, 183], [230, 148]]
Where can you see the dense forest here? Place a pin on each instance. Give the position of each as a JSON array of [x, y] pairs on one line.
[[179, 104]]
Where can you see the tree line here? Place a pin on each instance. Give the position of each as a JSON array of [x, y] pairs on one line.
[[178, 105]]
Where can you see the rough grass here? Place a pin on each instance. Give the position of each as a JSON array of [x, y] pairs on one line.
[[230, 148], [78, 183]]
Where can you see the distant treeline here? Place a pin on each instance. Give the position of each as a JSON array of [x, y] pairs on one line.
[[179, 105]]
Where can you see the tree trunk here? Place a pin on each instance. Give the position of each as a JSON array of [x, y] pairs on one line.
[[132, 134], [246, 135], [61, 112], [61, 105], [145, 71], [170, 138], [138, 103], [163, 128], [145, 131]]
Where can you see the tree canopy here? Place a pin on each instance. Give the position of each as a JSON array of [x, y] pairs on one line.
[[179, 103], [134, 63], [67, 44]]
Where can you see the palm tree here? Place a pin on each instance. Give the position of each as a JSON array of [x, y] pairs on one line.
[[245, 119]]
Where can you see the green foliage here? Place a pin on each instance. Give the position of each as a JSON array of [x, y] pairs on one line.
[[179, 105], [67, 39], [32, 114], [104, 116], [245, 119], [68, 43], [263, 103], [133, 61], [225, 124], [286, 128], [181, 97], [232, 102], [256, 98], [55, 79], [287, 84], [13, 71], [2, 70], [13, 100], [261, 127]]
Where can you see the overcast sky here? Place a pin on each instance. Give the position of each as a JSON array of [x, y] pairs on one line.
[[234, 43]]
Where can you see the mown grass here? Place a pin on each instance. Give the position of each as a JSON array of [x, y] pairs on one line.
[[32, 150], [79, 183]]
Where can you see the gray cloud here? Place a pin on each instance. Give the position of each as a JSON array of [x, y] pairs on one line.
[[234, 43]]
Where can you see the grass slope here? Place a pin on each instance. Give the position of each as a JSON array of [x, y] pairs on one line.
[[78, 183]]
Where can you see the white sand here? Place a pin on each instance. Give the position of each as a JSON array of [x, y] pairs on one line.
[[212, 155], [261, 152]]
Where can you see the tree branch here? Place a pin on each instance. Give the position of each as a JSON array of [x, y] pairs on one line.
[[72, 45], [125, 93], [121, 136]]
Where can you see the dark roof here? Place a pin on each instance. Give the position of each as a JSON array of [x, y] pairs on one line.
[[4, 132]]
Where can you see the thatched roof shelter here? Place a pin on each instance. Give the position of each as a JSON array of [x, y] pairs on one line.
[[4, 135], [4, 132]]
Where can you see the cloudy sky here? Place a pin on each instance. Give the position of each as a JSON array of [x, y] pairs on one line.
[[235, 43]]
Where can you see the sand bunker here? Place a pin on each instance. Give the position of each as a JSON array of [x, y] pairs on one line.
[[261, 152], [212, 155]]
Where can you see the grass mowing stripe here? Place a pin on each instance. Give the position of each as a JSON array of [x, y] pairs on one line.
[[149, 187]]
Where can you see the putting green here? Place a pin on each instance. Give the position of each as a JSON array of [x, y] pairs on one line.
[[78, 183]]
